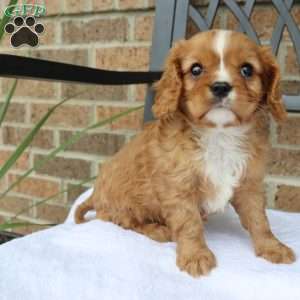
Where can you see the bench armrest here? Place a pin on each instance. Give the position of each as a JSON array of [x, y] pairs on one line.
[[33, 68]]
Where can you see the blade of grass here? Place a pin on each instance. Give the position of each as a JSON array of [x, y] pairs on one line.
[[28, 139], [53, 196], [8, 225], [73, 139], [5, 19], [4, 106]]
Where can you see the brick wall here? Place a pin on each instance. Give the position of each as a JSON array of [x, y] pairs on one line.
[[113, 34]]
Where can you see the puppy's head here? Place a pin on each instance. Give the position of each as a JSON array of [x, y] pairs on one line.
[[219, 78]]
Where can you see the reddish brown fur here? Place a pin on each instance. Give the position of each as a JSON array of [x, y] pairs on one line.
[[154, 186]]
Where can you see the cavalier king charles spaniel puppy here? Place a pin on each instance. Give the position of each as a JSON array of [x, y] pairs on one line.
[[208, 147]]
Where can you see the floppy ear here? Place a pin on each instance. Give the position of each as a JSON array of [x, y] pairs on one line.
[[169, 87], [272, 85]]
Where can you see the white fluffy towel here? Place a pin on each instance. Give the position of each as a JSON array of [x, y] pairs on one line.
[[101, 261]]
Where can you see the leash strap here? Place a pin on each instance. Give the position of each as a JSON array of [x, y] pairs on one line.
[[33, 68]]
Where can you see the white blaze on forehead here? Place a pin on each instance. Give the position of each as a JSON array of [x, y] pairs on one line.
[[220, 44]]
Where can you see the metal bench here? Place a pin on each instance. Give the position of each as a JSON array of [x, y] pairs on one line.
[[170, 24]]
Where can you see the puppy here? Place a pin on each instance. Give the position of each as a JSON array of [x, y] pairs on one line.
[[207, 148]]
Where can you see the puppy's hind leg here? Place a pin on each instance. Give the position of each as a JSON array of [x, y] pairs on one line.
[[155, 231]]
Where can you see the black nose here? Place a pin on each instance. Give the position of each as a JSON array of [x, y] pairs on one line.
[[221, 89]]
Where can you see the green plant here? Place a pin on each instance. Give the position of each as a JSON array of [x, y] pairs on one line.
[[23, 146], [5, 19]]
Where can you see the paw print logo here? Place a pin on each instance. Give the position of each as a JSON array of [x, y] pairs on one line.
[[24, 31]]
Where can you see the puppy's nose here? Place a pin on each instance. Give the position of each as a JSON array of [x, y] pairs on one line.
[[220, 89]]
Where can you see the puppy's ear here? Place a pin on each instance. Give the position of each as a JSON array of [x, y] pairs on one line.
[[272, 85], [169, 87]]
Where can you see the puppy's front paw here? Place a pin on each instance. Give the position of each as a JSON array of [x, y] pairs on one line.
[[276, 252], [197, 264]]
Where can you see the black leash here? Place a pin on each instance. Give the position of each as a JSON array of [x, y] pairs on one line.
[[33, 68]]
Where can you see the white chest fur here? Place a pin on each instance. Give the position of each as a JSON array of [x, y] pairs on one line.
[[224, 158]]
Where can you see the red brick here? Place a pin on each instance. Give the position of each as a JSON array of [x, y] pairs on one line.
[[134, 120], [289, 132], [67, 115], [15, 113], [84, 32], [35, 187], [74, 192], [72, 56], [296, 13], [53, 7], [288, 198], [290, 87], [101, 92], [65, 167], [284, 162], [3, 185], [291, 63], [132, 4], [13, 204], [52, 213], [32, 88], [15, 135], [151, 3], [140, 92], [49, 35], [263, 20], [103, 5], [21, 164], [95, 143], [4, 3], [6, 41], [76, 6], [144, 28], [128, 58]]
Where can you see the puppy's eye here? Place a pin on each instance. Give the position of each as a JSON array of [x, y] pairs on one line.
[[196, 70], [246, 70]]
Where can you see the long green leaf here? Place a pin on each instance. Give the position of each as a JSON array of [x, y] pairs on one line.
[[5, 19], [54, 196], [8, 225], [73, 139], [5, 105], [30, 136]]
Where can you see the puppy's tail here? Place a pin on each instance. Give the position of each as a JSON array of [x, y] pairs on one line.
[[82, 209]]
